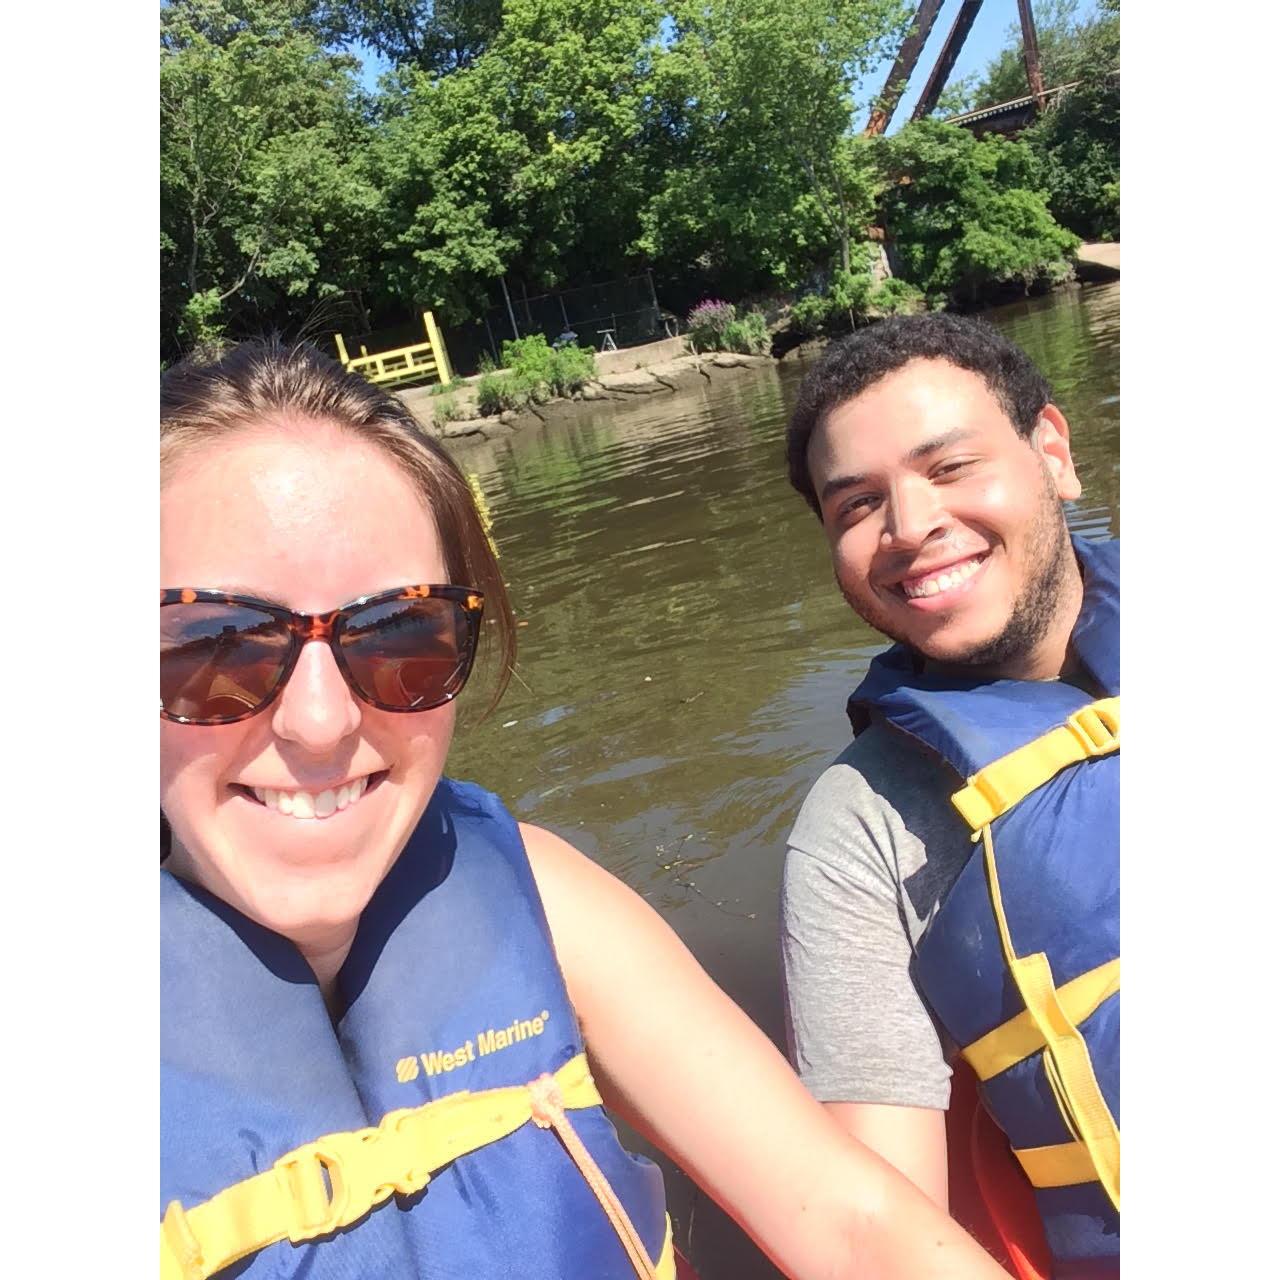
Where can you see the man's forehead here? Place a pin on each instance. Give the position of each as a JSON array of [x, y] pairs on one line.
[[917, 401]]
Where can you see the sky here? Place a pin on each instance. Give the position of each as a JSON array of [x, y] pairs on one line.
[[988, 35]]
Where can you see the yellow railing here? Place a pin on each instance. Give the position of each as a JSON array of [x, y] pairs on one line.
[[422, 360]]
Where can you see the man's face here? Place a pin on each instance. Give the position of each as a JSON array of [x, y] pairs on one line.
[[945, 526]]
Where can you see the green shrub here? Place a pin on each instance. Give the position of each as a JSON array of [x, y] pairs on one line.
[[839, 308], [894, 297], [708, 322], [573, 368], [443, 411], [749, 336], [536, 371], [811, 314], [495, 393]]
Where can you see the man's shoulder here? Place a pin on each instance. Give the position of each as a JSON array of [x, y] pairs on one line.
[[879, 765], [880, 786]]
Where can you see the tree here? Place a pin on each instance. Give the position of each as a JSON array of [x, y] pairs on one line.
[[963, 213], [435, 36], [525, 161], [1077, 140], [759, 177], [261, 192]]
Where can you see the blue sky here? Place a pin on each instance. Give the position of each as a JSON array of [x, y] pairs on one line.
[[986, 38]]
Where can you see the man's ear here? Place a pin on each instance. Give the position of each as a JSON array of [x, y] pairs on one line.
[[1051, 439]]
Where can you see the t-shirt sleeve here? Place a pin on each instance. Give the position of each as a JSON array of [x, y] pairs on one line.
[[857, 1027]]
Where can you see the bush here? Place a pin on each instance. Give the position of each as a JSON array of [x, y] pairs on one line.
[[535, 374], [749, 336], [443, 411], [539, 371], [847, 300], [574, 367], [894, 297], [708, 321], [495, 393]]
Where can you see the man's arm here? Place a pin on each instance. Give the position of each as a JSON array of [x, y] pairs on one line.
[[861, 1037]]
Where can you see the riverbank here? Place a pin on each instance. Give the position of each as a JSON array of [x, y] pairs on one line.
[[635, 372], [646, 370]]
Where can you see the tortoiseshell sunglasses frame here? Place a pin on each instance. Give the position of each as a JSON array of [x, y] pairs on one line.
[[304, 627]]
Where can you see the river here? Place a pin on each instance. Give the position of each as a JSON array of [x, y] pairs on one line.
[[685, 656]]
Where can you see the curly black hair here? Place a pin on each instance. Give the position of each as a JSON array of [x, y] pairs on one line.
[[848, 367]]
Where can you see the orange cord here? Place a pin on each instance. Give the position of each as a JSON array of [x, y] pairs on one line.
[[549, 1113]]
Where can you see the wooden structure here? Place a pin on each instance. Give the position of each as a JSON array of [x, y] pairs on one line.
[[424, 360]]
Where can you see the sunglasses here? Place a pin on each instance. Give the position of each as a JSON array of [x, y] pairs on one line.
[[225, 657]]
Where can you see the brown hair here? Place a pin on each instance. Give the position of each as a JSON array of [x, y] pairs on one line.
[[201, 403]]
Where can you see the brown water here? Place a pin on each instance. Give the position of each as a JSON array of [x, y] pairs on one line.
[[685, 656]]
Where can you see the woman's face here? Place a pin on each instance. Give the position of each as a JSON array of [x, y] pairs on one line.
[[301, 514]]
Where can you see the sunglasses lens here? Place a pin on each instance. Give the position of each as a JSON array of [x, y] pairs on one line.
[[218, 662], [409, 655]]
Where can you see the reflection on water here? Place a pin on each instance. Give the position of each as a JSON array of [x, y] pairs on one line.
[[685, 656]]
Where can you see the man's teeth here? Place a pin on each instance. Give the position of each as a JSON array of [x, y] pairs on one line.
[[944, 581], [303, 804]]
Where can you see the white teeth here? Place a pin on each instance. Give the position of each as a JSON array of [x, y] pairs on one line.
[[945, 581], [303, 804]]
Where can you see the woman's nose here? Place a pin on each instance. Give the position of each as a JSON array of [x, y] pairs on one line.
[[317, 709]]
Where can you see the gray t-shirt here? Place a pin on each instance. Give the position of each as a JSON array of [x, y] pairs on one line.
[[876, 848]]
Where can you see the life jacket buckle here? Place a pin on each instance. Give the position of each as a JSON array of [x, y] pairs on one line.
[[184, 1248], [321, 1181], [1097, 732]]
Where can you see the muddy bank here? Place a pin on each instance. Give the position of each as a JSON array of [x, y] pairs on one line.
[[665, 376]]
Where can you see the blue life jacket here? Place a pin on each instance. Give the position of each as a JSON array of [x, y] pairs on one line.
[[451, 985], [1048, 872]]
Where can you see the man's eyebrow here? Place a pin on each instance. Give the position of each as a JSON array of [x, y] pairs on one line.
[[926, 447], [836, 483], [922, 450]]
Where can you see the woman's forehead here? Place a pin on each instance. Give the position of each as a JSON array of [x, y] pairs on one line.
[[302, 516]]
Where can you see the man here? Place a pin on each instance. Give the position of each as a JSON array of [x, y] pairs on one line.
[[918, 930]]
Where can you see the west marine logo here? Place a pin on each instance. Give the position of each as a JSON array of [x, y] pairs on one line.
[[490, 1040]]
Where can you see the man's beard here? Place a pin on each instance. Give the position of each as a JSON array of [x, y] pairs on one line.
[[1049, 556]]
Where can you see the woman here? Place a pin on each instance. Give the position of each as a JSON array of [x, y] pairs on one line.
[[376, 985]]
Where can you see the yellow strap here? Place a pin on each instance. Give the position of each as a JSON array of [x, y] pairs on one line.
[[666, 1268], [1059, 1166], [1067, 1060], [1020, 1037], [364, 1168], [1092, 731]]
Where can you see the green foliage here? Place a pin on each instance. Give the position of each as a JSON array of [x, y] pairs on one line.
[[444, 410], [261, 192], [756, 177], [748, 336], [495, 393], [812, 314], [436, 36], [552, 142], [533, 374], [1077, 141], [894, 297], [707, 322], [964, 213]]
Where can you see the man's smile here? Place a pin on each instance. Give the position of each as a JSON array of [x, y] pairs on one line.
[[939, 585]]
